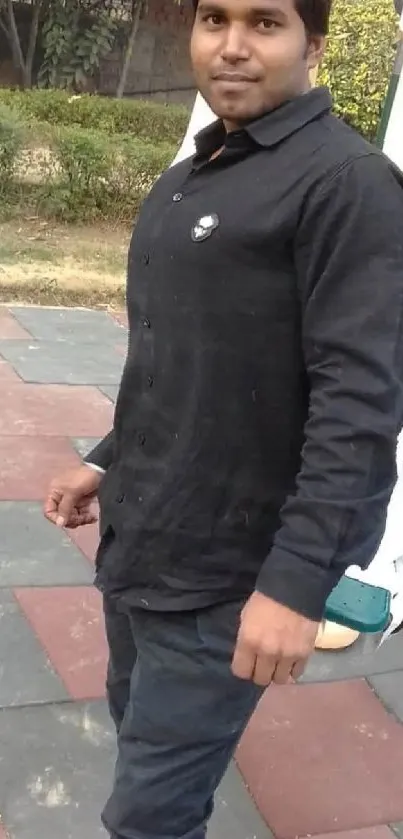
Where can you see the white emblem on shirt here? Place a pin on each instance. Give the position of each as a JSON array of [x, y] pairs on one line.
[[204, 227]]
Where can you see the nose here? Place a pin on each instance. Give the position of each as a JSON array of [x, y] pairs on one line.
[[235, 45]]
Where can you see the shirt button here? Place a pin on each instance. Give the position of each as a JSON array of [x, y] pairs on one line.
[[141, 438], [120, 498], [146, 259], [147, 323], [177, 197], [150, 380]]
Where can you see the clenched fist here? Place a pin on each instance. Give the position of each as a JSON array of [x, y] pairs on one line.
[[273, 644], [70, 497]]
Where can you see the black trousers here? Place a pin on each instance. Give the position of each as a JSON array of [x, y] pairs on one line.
[[179, 713]]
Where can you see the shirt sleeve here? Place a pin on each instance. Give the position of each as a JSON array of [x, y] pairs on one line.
[[102, 455], [349, 262]]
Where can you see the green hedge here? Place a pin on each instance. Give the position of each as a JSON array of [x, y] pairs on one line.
[[76, 174], [99, 177], [11, 140], [143, 120], [359, 60]]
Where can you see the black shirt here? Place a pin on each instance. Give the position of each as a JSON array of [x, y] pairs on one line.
[[255, 429]]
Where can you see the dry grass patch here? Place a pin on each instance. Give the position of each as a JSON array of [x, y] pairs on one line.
[[41, 262]]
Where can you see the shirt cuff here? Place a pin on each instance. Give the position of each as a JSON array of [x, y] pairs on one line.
[[95, 467], [296, 583]]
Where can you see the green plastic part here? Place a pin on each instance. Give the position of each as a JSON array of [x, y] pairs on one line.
[[359, 606]]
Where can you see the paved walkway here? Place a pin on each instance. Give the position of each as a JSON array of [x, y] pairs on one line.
[[322, 758]]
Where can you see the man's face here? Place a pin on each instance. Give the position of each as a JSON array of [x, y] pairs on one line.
[[250, 57]]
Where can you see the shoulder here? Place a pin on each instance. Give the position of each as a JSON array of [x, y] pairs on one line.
[[343, 153], [342, 169]]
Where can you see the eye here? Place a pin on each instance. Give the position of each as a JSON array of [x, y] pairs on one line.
[[213, 19], [267, 24]]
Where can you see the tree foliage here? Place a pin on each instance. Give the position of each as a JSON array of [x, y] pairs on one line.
[[359, 60], [77, 34]]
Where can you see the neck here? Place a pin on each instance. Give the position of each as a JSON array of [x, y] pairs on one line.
[[229, 125]]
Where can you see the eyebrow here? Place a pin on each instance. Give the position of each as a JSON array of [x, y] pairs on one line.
[[266, 10]]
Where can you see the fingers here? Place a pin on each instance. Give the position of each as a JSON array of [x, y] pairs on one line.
[[243, 661], [51, 505], [284, 671], [262, 669], [61, 509], [66, 509], [79, 518], [265, 669]]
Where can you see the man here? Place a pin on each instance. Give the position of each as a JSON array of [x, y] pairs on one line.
[[252, 456]]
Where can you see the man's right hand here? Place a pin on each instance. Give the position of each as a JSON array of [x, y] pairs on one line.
[[69, 499]]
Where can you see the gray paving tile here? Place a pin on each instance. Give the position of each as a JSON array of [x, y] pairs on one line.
[[81, 325], [64, 362], [111, 391], [26, 676], [358, 661], [83, 445], [56, 768], [389, 688], [398, 829], [235, 814], [34, 552]]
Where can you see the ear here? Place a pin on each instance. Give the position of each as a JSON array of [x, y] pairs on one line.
[[316, 49]]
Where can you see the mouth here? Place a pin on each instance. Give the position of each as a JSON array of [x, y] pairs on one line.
[[229, 77]]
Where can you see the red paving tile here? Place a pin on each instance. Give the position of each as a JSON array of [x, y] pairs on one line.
[[10, 328], [57, 410], [378, 832], [87, 539], [322, 759], [27, 465], [8, 374], [69, 625], [3, 834]]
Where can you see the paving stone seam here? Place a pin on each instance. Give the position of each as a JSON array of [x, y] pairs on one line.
[[388, 707], [47, 703], [271, 832], [360, 832], [50, 585]]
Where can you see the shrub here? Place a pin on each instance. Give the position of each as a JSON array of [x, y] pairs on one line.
[[142, 120], [11, 138], [99, 177], [359, 60], [83, 161]]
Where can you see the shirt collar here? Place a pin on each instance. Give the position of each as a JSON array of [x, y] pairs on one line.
[[272, 127]]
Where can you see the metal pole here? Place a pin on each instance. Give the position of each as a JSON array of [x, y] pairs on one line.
[[393, 84]]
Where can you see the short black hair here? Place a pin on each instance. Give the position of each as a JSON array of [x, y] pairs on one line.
[[315, 14]]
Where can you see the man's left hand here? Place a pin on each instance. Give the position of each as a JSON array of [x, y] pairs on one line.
[[273, 644]]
